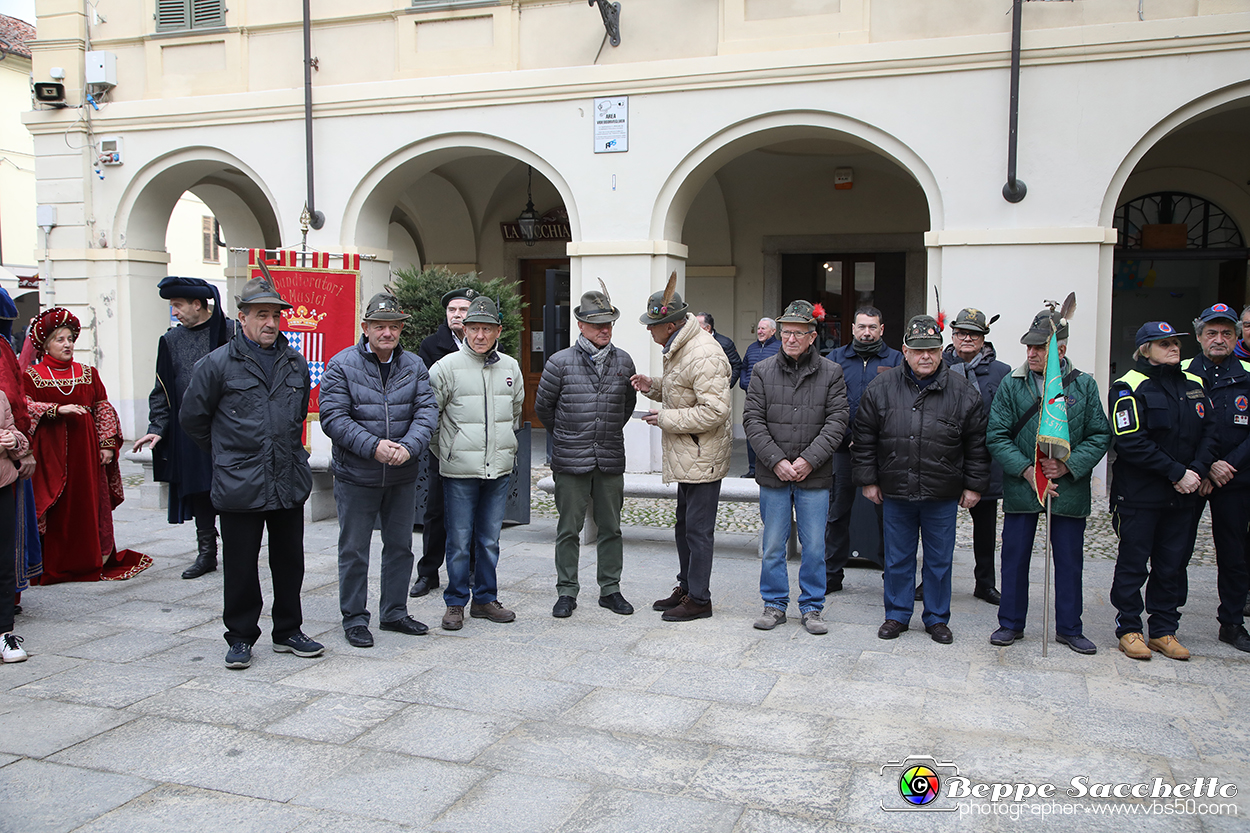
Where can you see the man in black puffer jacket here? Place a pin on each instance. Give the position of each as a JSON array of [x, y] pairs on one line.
[[379, 411], [920, 447], [246, 402], [585, 399]]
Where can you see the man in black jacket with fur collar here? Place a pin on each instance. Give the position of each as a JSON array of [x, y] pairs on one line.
[[920, 450]]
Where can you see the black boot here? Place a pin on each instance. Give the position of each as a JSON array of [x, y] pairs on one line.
[[206, 560]]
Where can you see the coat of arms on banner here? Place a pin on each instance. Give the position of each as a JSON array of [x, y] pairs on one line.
[[325, 305]]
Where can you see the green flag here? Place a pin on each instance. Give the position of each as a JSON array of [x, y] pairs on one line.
[[1052, 425]]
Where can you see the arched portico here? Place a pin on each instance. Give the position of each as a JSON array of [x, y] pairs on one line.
[[1195, 155]]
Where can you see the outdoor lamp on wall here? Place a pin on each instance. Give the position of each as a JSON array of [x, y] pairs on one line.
[[528, 220]]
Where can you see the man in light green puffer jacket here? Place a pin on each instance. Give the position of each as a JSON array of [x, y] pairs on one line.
[[480, 393]]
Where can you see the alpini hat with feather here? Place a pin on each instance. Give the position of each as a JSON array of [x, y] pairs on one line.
[[664, 307], [596, 307]]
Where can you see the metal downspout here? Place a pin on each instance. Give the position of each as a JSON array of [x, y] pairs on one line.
[[1014, 190], [317, 218]]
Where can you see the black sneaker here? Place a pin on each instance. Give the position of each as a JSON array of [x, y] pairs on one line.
[[300, 645], [239, 655]]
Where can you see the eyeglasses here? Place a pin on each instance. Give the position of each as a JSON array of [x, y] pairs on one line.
[[966, 336], [793, 336]]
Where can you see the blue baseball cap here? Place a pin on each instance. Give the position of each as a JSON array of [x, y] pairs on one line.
[[1218, 312], [1156, 331]]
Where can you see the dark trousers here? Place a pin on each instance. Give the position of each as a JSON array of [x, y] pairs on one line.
[[1154, 550], [8, 556], [750, 458], [205, 514], [1067, 539], [696, 537], [434, 528], [358, 507], [838, 530], [240, 540], [1230, 515], [984, 537]]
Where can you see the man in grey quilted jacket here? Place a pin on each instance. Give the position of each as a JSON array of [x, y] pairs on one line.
[[378, 409], [585, 399]]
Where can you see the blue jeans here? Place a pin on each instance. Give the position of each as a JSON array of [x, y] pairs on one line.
[[1067, 540], [906, 522], [473, 511], [358, 506], [811, 508]]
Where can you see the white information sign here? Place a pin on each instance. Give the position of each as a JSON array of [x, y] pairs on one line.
[[612, 124]]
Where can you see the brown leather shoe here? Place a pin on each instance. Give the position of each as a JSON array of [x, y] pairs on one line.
[[493, 611], [453, 619], [671, 602], [1169, 647], [890, 629], [688, 611], [1133, 645]]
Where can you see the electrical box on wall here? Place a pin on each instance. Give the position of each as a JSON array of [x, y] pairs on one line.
[[843, 179], [111, 150], [101, 70]]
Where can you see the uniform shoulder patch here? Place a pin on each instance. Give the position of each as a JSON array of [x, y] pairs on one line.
[[1124, 418]]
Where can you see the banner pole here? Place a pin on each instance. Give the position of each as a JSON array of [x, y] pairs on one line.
[[1046, 582]]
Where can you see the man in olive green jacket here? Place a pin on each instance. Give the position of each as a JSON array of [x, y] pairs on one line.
[[480, 394], [1012, 441]]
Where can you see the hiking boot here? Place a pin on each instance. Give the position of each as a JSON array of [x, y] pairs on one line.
[[1133, 646], [453, 619], [1169, 647], [493, 611]]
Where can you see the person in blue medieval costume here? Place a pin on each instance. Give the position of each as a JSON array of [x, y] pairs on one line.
[[177, 460]]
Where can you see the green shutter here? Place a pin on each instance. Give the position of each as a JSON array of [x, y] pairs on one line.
[[172, 15], [207, 13]]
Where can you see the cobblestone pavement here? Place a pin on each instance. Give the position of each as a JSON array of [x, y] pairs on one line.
[[125, 719]]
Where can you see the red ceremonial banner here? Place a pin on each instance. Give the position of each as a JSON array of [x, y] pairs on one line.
[[325, 313]]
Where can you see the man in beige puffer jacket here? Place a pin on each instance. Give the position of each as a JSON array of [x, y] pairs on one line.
[[697, 423]]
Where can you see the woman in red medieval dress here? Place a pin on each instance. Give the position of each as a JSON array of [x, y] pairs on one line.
[[75, 434]]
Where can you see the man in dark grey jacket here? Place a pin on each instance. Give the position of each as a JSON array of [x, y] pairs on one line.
[[585, 399], [247, 401], [920, 448], [796, 413], [378, 410]]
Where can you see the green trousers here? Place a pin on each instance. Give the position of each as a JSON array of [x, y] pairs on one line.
[[606, 493]]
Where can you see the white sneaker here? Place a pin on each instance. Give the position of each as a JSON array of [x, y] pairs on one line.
[[11, 648]]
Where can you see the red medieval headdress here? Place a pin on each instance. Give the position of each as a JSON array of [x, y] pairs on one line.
[[49, 321]]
